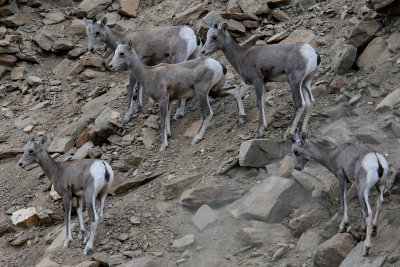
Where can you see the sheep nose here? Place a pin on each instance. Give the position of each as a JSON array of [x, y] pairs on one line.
[[111, 66], [91, 49], [203, 52], [20, 164], [298, 168]]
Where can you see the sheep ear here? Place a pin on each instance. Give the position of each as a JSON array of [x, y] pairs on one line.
[[308, 134], [43, 141], [224, 27], [130, 44], [103, 22], [94, 20]]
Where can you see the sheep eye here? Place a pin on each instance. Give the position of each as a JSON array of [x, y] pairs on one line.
[[296, 153], [122, 54], [31, 151], [214, 38], [97, 33]]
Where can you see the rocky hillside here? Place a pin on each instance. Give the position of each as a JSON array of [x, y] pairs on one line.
[[228, 201]]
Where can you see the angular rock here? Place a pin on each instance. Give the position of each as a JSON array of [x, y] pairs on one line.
[[333, 251], [8, 60], [389, 102], [286, 167], [280, 15], [101, 131], [61, 144], [394, 42], [363, 33], [371, 135], [338, 132], [128, 8], [308, 242], [93, 61], [5, 226], [54, 18], [17, 73], [261, 233], [77, 27], [173, 186], [391, 7], [204, 217], [89, 74], [183, 243], [90, 8], [257, 7], [122, 187], [108, 260], [76, 52], [54, 195], [233, 7], [17, 20], [213, 195], [191, 14], [344, 58], [305, 220], [301, 35], [106, 114], [25, 217], [149, 137], [83, 151], [3, 31], [276, 38], [62, 45], [112, 18], [45, 39], [250, 24], [152, 122], [236, 26], [374, 54], [259, 152], [240, 16], [134, 160], [270, 201], [149, 261], [33, 80]]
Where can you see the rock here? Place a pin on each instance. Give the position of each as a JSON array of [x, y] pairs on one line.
[[183, 243], [25, 217], [90, 8], [278, 254], [76, 52], [204, 217], [5, 226], [389, 102], [34, 80], [108, 260], [8, 60], [152, 122], [88, 264], [61, 144], [380, 74], [17, 73], [233, 7], [53, 18], [45, 262], [371, 135], [394, 42], [62, 45], [17, 20], [123, 237], [276, 38], [93, 61], [391, 7], [280, 15], [337, 132], [212, 195], [308, 242], [101, 131], [128, 8], [257, 7], [250, 24], [259, 152], [134, 160], [3, 31], [306, 219], [83, 151], [271, 201], [95, 152], [125, 25], [193, 129], [374, 54], [301, 35], [54, 195], [45, 39], [124, 186], [240, 16], [112, 18], [89, 74], [344, 58], [107, 114], [149, 137], [333, 251], [286, 167], [77, 27], [172, 187], [363, 33], [191, 14], [264, 233], [236, 26]]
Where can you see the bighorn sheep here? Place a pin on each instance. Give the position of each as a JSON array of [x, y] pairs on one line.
[[293, 62], [171, 44], [86, 180], [166, 82], [348, 162]]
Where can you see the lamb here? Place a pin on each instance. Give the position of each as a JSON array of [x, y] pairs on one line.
[[171, 44], [358, 164], [165, 82], [86, 180], [296, 63]]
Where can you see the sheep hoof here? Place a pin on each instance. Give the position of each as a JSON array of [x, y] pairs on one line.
[[258, 135], [366, 251], [282, 139]]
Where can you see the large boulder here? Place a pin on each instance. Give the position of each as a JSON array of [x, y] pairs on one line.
[[204, 217], [344, 58], [25, 217], [391, 7], [90, 8], [301, 35], [128, 8], [173, 186], [363, 33], [259, 152], [257, 7], [333, 251], [271, 201], [337, 132], [376, 53], [61, 144], [389, 102]]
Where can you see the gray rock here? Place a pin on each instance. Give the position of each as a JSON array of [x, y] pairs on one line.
[[172, 187], [105, 114], [61, 144], [45, 39], [204, 217], [212, 195], [83, 151], [308, 242], [376, 53], [254, 6], [279, 253], [337, 132], [389, 102], [344, 58], [90, 8], [108, 260], [54, 18], [149, 137], [371, 135], [260, 152], [304, 220], [34, 80], [364, 32], [183, 243], [270, 201], [333, 251], [190, 14], [62, 45], [261, 233]]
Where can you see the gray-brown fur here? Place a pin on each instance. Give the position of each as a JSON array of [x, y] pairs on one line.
[[357, 164], [86, 180], [154, 46], [166, 82], [270, 63]]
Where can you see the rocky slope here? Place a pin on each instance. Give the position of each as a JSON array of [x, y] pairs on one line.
[[228, 201]]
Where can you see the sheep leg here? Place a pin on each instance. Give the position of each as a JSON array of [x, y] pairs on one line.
[[131, 93], [164, 123], [207, 116], [379, 201], [262, 124], [67, 219], [343, 199], [80, 217], [94, 220]]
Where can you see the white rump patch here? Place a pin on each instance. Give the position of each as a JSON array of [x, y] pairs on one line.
[[217, 69], [97, 170], [308, 52], [370, 165], [189, 36]]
